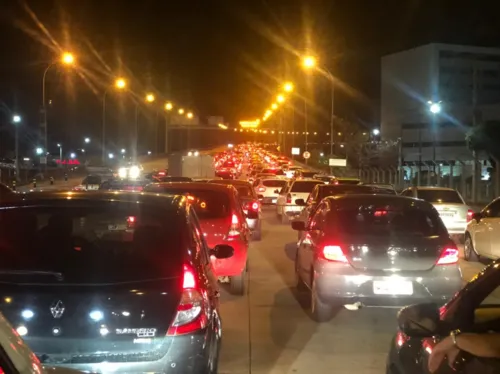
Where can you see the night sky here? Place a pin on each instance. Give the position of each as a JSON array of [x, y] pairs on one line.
[[216, 57]]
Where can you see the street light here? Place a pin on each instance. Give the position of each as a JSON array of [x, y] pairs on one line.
[[123, 151], [67, 58], [16, 119], [110, 155], [288, 87], [190, 115], [434, 107], [72, 155], [274, 106], [59, 145], [169, 106], [87, 140], [376, 132], [280, 98], [150, 98], [120, 84], [39, 151], [309, 62], [181, 111]]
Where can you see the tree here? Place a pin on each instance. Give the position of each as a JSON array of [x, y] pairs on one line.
[[485, 138]]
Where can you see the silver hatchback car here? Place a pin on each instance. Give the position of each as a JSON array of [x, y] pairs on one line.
[[374, 250]]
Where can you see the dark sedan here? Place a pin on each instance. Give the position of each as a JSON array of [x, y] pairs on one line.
[[374, 250], [111, 282], [475, 309]]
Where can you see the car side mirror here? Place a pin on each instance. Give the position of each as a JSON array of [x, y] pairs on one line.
[[300, 202], [477, 216], [252, 214], [222, 251], [419, 320], [298, 225]]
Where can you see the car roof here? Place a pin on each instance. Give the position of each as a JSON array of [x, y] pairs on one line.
[[195, 186], [68, 198], [234, 182], [308, 180], [434, 188], [356, 199]]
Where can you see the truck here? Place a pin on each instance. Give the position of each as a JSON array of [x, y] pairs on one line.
[[193, 165]]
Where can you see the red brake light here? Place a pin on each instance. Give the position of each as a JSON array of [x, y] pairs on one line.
[[255, 206], [130, 221], [448, 257], [192, 310], [470, 213], [161, 173], [380, 213], [333, 253]]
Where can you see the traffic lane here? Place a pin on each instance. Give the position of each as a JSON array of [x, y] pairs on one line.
[[280, 336], [46, 186]]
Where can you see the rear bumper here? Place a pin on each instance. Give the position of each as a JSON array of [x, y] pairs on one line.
[[292, 210], [186, 354], [340, 283], [269, 199]]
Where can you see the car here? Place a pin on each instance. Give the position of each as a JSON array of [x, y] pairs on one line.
[[89, 183], [374, 250], [169, 179], [450, 205], [474, 309], [123, 185], [343, 180], [111, 282], [266, 187], [274, 171], [250, 202], [222, 221], [290, 172], [286, 204], [321, 191], [224, 174], [482, 233], [304, 174], [383, 186]]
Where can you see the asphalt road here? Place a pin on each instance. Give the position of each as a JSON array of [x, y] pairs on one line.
[[268, 331]]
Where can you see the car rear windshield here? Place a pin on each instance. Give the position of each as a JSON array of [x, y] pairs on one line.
[[387, 220], [208, 204], [332, 190], [440, 196], [304, 186], [244, 191], [347, 181], [99, 243], [309, 174], [92, 179], [274, 183]]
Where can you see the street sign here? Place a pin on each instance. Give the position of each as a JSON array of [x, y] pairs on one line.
[[337, 162], [43, 160], [306, 155], [295, 151]]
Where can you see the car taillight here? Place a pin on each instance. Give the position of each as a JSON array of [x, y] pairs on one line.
[[130, 221], [191, 314], [448, 257], [234, 229], [470, 213], [261, 189], [333, 253], [288, 199], [254, 206]]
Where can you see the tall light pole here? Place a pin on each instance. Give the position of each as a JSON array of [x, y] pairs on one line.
[[16, 120], [120, 84], [168, 108], [434, 109], [66, 59], [309, 63], [59, 145], [150, 98]]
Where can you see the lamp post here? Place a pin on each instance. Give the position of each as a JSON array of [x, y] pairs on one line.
[[434, 109], [150, 98], [16, 120], [120, 84], [59, 145], [168, 108], [66, 59]]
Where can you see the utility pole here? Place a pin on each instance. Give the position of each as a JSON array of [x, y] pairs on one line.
[[474, 124]]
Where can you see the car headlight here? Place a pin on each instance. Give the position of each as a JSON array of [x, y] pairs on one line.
[[122, 172], [134, 172]]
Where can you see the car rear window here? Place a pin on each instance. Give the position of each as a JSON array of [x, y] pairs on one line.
[[304, 186], [244, 191], [208, 204], [274, 183], [332, 190], [440, 196], [309, 174], [101, 242], [348, 181], [387, 220]]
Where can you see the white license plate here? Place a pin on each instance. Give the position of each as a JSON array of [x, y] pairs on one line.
[[274, 201], [117, 227], [392, 287], [447, 214]]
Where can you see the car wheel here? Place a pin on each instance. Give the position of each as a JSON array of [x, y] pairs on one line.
[[469, 251], [320, 312], [237, 284], [299, 283]]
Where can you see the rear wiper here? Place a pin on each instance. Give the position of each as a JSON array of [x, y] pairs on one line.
[[58, 276]]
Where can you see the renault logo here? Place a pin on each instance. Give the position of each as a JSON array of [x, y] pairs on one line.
[[57, 309]]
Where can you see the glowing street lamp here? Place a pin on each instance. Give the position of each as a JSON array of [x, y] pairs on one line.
[[288, 87], [169, 106], [376, 132], [67, 58], [87, 140], [280, 98], [189, 115], [39, 150], [150, 98], [309, 62], [181, 111], [120, 83], [434, 107]]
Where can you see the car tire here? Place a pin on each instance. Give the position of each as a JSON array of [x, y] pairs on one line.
[[320, 311], [237, 284], [470, 253]]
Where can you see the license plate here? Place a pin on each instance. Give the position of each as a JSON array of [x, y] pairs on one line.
[[274, 201], [392, 287], [447, 214], [117, 227]]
